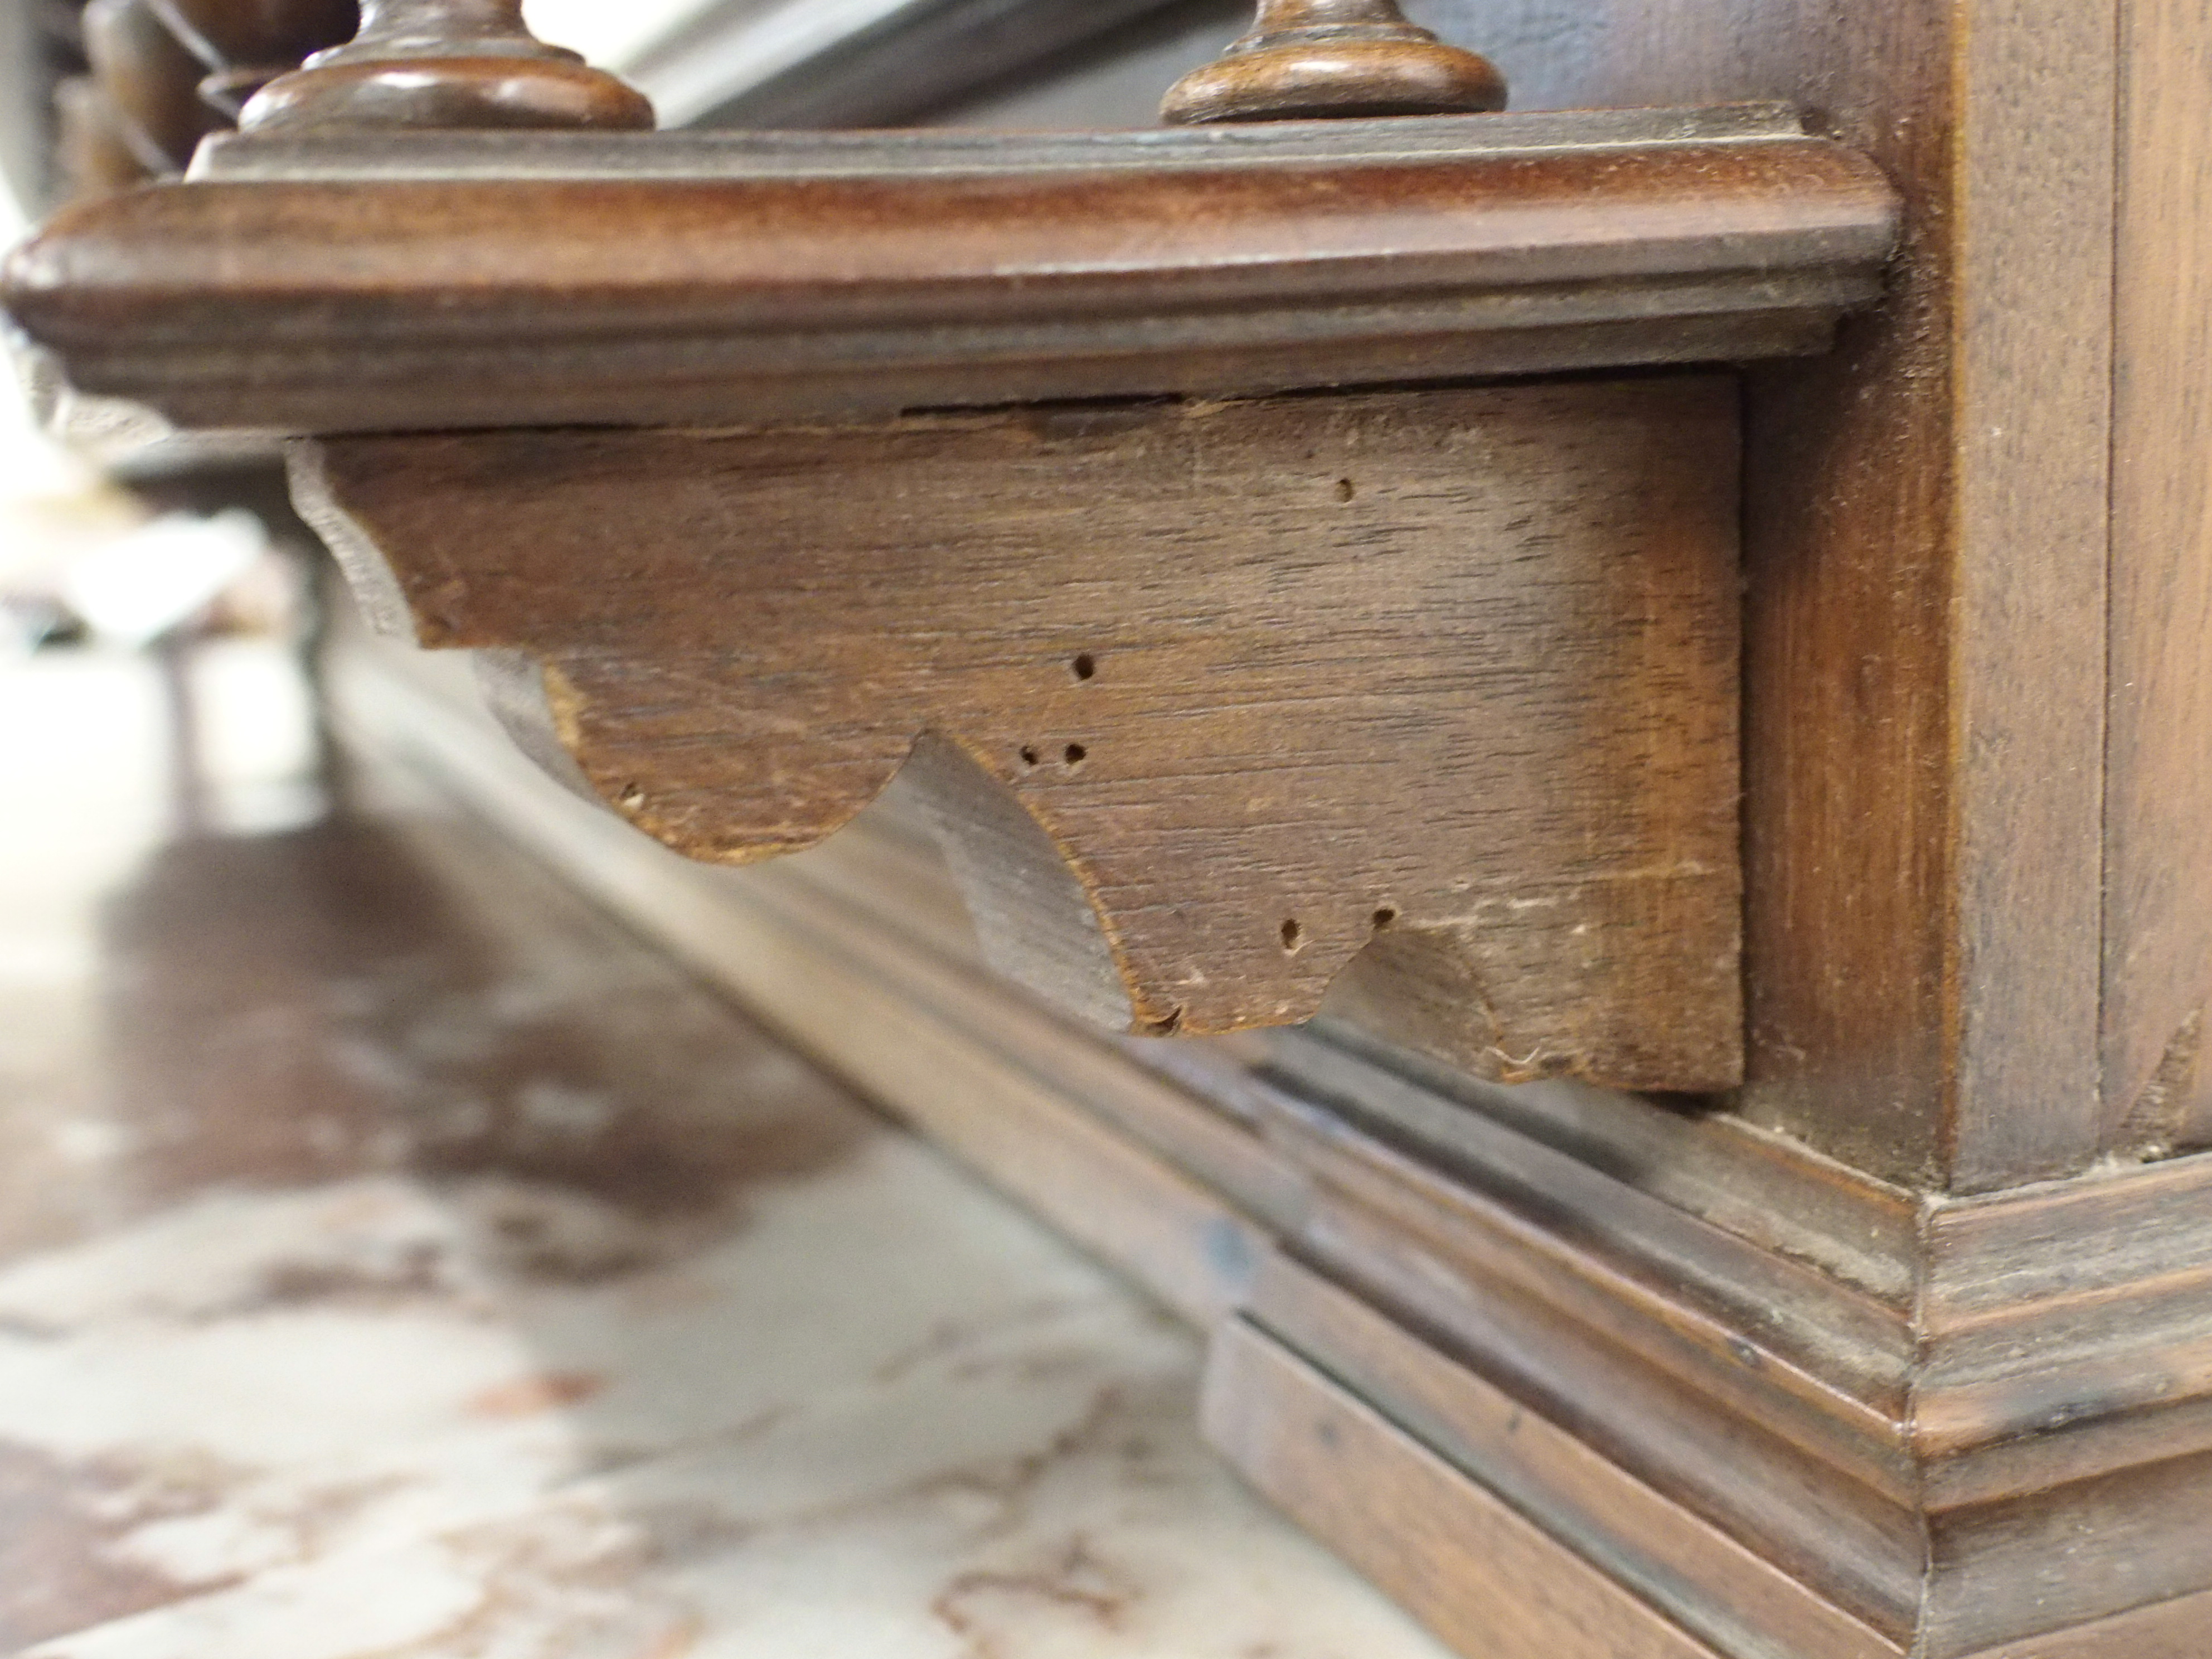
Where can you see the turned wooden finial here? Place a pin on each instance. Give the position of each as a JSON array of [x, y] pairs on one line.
[[443, 64], [1309, 59], [244, 44]]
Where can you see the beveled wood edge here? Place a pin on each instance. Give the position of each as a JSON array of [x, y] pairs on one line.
[[1774, 1193], [926, 152], [740, 286], [1712, 1585], [1456, 1555]]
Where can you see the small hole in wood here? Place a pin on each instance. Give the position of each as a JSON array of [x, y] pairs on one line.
[[1293, 937], [1167, 1027], [1086, 666], [1385, 916], [1075, 753], [1346, 490], [632, 797], [1028, 757]]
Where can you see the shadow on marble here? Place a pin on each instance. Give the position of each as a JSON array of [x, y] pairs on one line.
[[402, 1262]]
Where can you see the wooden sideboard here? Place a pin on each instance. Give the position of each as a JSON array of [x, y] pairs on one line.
[[1643, 672]]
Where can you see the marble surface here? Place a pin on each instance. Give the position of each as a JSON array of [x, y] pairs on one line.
[[397, 1261]]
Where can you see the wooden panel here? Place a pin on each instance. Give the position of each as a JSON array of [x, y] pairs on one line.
[[1920, 817], [1443, 682], [2058, 1560], [1484, 1579], [2032, 338], [1924, 745], [2167, 1630], [2158, 943]]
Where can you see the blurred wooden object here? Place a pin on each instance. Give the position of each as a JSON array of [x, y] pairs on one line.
[[246, 44], [445, 64]]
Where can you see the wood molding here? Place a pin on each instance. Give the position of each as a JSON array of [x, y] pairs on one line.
[[1776, 1403], [435, 281]]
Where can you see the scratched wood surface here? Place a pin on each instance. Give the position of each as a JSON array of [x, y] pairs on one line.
[[1924, 539], [1219, 698]]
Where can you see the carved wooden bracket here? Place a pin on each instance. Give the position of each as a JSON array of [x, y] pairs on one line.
[[1208, 700], [1419, 706]]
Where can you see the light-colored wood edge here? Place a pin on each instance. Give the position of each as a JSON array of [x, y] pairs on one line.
[[1705, 1580], [1484, 1578], [2180, 1629]]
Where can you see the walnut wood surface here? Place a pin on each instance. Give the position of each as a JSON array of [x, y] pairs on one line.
[[1705, 1580], [1451, 1553], [1925, 533], [246, 44], [568, 278], [1443, 681], [444, 64], [2022, 1486], [2158, 922]]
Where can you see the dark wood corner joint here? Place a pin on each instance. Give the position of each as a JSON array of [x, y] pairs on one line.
[[1418, 704]]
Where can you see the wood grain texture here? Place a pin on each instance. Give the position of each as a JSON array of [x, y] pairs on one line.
[[1448, 1551], [645, 280], [1920, 524], [1924, 539], [2033, 317], [1442, 681], [2036, 1415], [1833, 1377], [2165, 1630], [2158, 938], [1705, 1580]]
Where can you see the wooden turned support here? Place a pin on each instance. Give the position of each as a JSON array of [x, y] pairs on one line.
[[1306, 58], [446, 64]]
